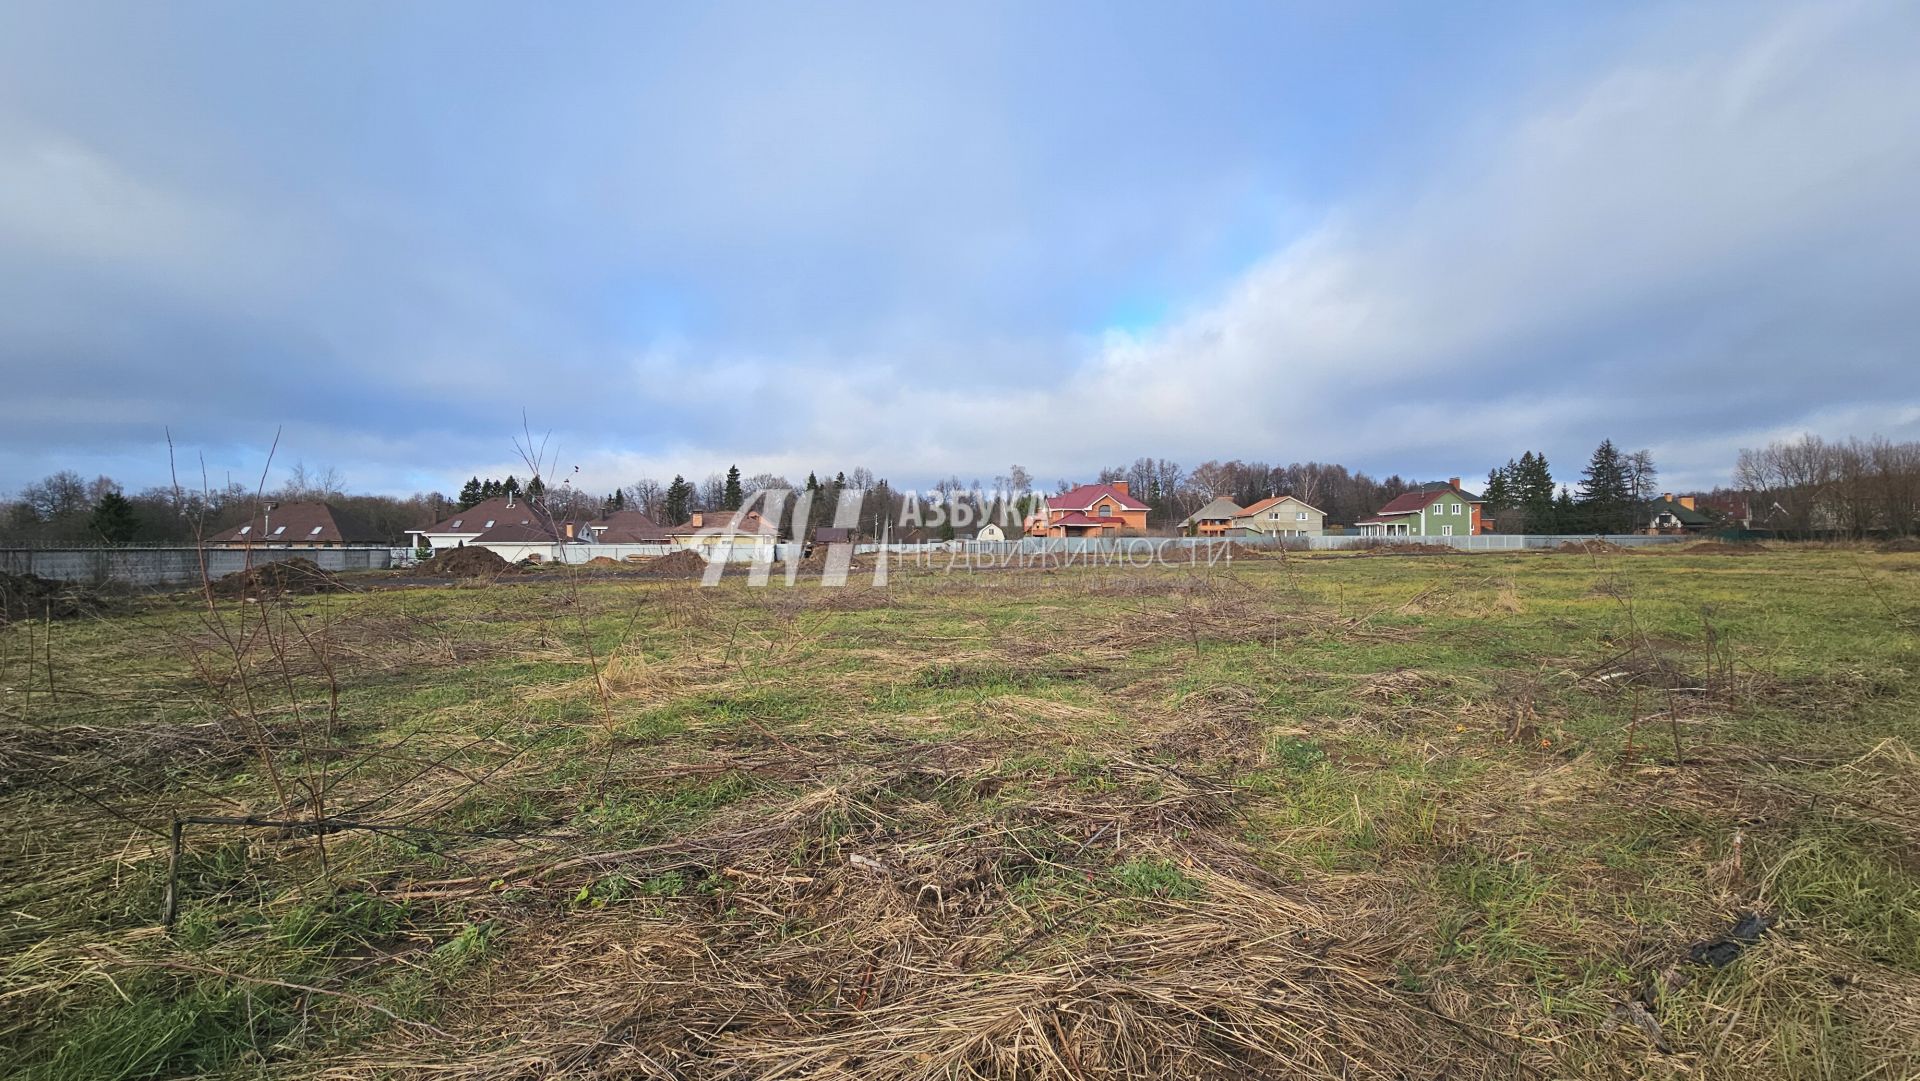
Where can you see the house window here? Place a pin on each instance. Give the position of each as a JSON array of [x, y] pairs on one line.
[[315, 531], [245, 529], [279, 531], [1273, 516], [1446, 530], [1300, 516], [455, 525], [1455, 510], [1106, 510], [489, 523]]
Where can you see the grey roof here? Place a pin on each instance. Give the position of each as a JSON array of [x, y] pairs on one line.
[[1684, 514], [1443, 486], [1219, 508]]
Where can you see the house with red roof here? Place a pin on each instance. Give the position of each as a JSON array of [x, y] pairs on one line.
[[1431, 510], [1091, 510]]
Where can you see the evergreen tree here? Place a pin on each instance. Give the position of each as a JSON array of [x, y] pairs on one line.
[[114, 519], [1566, 512], [536, 488], [510, 487], [1606, 495], [1531, 486], [813, 483], [616, 502], [679, 498], [470, 493], [1499, 495], [733, 496], [489, 489]]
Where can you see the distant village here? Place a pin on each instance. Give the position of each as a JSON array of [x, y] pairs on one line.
[[1805, 487]]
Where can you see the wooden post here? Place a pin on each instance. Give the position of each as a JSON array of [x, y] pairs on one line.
[[173, 875]]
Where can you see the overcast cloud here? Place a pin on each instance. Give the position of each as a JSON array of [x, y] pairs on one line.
[[935, 242]]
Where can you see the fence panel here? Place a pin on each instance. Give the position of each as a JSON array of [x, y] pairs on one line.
[[175, 566]]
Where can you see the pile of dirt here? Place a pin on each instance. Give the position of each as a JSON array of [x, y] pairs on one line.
[[1899, 545], [1411, 550], [681, 564], [25, 596], [278, 577], [464, 563], [1717, 548], [601, 561], [1593, 547]]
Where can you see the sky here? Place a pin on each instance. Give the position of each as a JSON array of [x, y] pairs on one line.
[[937, 240]]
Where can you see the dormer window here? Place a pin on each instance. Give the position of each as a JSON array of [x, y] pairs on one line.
[[489, 523], [245, 529], [1106, 510]]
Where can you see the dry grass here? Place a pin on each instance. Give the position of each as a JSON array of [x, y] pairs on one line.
[[1307, 817]]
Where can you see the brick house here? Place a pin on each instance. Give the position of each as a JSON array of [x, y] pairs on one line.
[[1091, 510]]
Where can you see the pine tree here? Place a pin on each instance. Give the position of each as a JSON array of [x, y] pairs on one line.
[[813, 483], [733, 496], [1499, 494], [470, 493], [679, 496], [114, 519], [536, 488], [1532, 491], [510, 487], [1565, 512], [489, 489], [617, 501], [1606, 497]]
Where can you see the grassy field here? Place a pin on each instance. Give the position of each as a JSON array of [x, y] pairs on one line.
[[1331, 816]]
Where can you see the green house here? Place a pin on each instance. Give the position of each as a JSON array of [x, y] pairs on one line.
[[1439, 509]]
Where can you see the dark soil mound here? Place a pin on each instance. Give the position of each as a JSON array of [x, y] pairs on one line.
[[464, 563], [601, 561], [1413, 550], [1718, 548], [681, 564], [1900, 545], [1594, 547], [280, 576], [24, 596]]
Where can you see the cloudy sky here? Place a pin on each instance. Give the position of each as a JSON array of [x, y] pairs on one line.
[[938, 239]]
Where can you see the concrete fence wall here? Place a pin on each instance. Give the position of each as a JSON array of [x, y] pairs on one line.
[[154, 567]]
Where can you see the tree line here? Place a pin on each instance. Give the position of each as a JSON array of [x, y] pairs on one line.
[[65, 508], [1811, 486], [1806, 486], [1615, 494]]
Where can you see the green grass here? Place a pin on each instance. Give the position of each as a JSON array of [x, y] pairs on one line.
[[1469, 760]]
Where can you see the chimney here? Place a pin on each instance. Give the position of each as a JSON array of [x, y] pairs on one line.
[[1121, 487], [695, 521], [1666, 497], [1687, 501], [509, 500], [1454, 483], [569, 530]]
